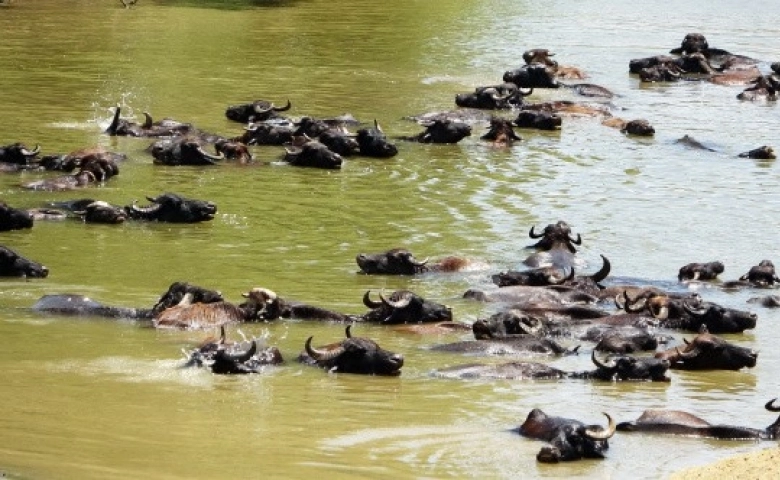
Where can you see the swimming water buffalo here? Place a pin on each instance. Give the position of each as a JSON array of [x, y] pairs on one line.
[[14, 265], [373, 142], [173, 208], [764, 152], [267, 134], [102, 212], [539, 120], [494, 97], [501, 132], [708, 352], [353, 355], [568, 439], [404, 306], [330, 132], [532, 76], [700, 271], [14, 218], [622, 339], [639, 127], [762, 275], [507, 323], [187, 315], [535, 277], [313, 154], [762, 87], [556, 246], [163, 128], [257, 111], [17, 155], [717, 318], [229, 358], [183, 151], [400, 261], [677, 422], [516, 345], [90, 165], [442, 131]]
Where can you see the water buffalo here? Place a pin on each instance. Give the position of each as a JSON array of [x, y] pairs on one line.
[[330, 132], [373, 143], [622, 339], [17, 155], [507, 324], [442, 132], [708, 352], [228, 358], [524, 295], [532, 76], [313, 154], [535, 277], [762, 276], [173, 208], [501, 132], [717, 318], [14, 265], [493, 97], [267, 134], [183, 151], [232, 149], [257, 111], [404, 306], [102, 212], [539, 120], [516, 345], [400, 261], [163, 128], [568, 439], [764, 152], [91, 165], [187, 315], [13, 218], [353, 355], [639, 127], [700, 271], [762, 87], [676, 422]]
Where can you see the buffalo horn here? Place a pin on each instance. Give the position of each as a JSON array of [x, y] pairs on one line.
[[772, 408], [578, 241], [210, 157], [605, 434], [147, 121], [419, 263], [658, 312], [347, 331], [534, 235], [222, 336], [609, 366], [396, 304], [31, 153], [322, 355], [370, 303], [693, 311], [150, 209], [602, 274], [629, 305], [687, 355], [377, 126], [525, 94]]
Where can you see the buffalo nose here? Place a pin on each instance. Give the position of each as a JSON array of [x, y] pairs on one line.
[[44, 272], [398, 360]]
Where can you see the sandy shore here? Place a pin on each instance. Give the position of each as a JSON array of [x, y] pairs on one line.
[[764, 464]]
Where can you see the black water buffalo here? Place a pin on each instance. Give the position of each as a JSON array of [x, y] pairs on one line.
[[762, 275], [101, 212], [373, 143], [330, 132], [676, 422], [400, 261], [708, 352], [535, 277], [177, 291], [764, 152], [623, 339], [501, 132], [90, 165], [353, 355], [532, 76], [183, 151], [17, 155], [14, 265], [700, 271], [507, 324], [277, 307], [257, 111], [568, 439], [556, 246], [442, 131], [404, 306], [228, 358], [639, 127], [522, 295], [717, 318], [493, 97], [516, 345], [762, 87], [539, 120], [267, 134], [14, 218], [313, 154], [190, 315], [173, 208], [163, 128], [616, 368]]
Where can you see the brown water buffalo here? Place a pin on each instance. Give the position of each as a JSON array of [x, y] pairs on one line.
[[14, 218], [373, 142], [700, 271], [708, 352], [404, 306], [442, 131], [763, 87], [313, 154], [501, 132], [257, 111], [14, 265], [173, 208], [231, 358], [400, 261], [764, 152], [187, 315], [568, 439], [676, 422], [353, 355]]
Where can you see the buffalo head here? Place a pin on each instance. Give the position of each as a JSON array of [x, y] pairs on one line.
[[500, 132], [629, 368], [443, 131], [403, 306], [568, 439], [355, 355], [14, 218], [170, 207], [761, 275], [313, 154], [708, 352], [18, 154], [183, 151], [101, 212], [397, 261], [257, 111], [506, 324], [373, 143], [539, 120], [532, 76], [700, 271], [14, 265]]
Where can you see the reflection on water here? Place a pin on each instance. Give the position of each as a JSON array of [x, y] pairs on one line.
[[90, 398]]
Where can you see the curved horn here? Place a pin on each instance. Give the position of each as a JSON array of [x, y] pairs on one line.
[[552, 280], [370, 303], [611, 428], [282, 109], [772, 408], [534, 235], [245, 356], [31, 153], [578, 241], [695, 312], [419, 263], [322, 355], [609, 366], [602, 274], [619, 299], [111, 130], [525, 94], [630, 305], [222, 335], [690, 354], [150, 209], [147, 121], [659, 312], [210, 157], [396, 304], [347, 331]]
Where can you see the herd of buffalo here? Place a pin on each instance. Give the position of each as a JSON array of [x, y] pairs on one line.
[[627, 328]]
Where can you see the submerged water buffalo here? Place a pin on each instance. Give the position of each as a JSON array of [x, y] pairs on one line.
[[14, 218], [14, 265], [501, 132], [515, 345], [568, 439], [230, 358], [532, 76], [400, 261], [90, 165], [762, 275], [442, 131], [16, 156], [709, 352], [493, 97], [190, 315], [173, 208], [539, 120], [102, 212], [257, 111], [267, 134], [183, 151], [700, 271], [507, 323], [763, 87], [353, 355], [404, 306], [638, 127], [764, 152], [313, 154], [163, 128], [677, 422], [373, 142]]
